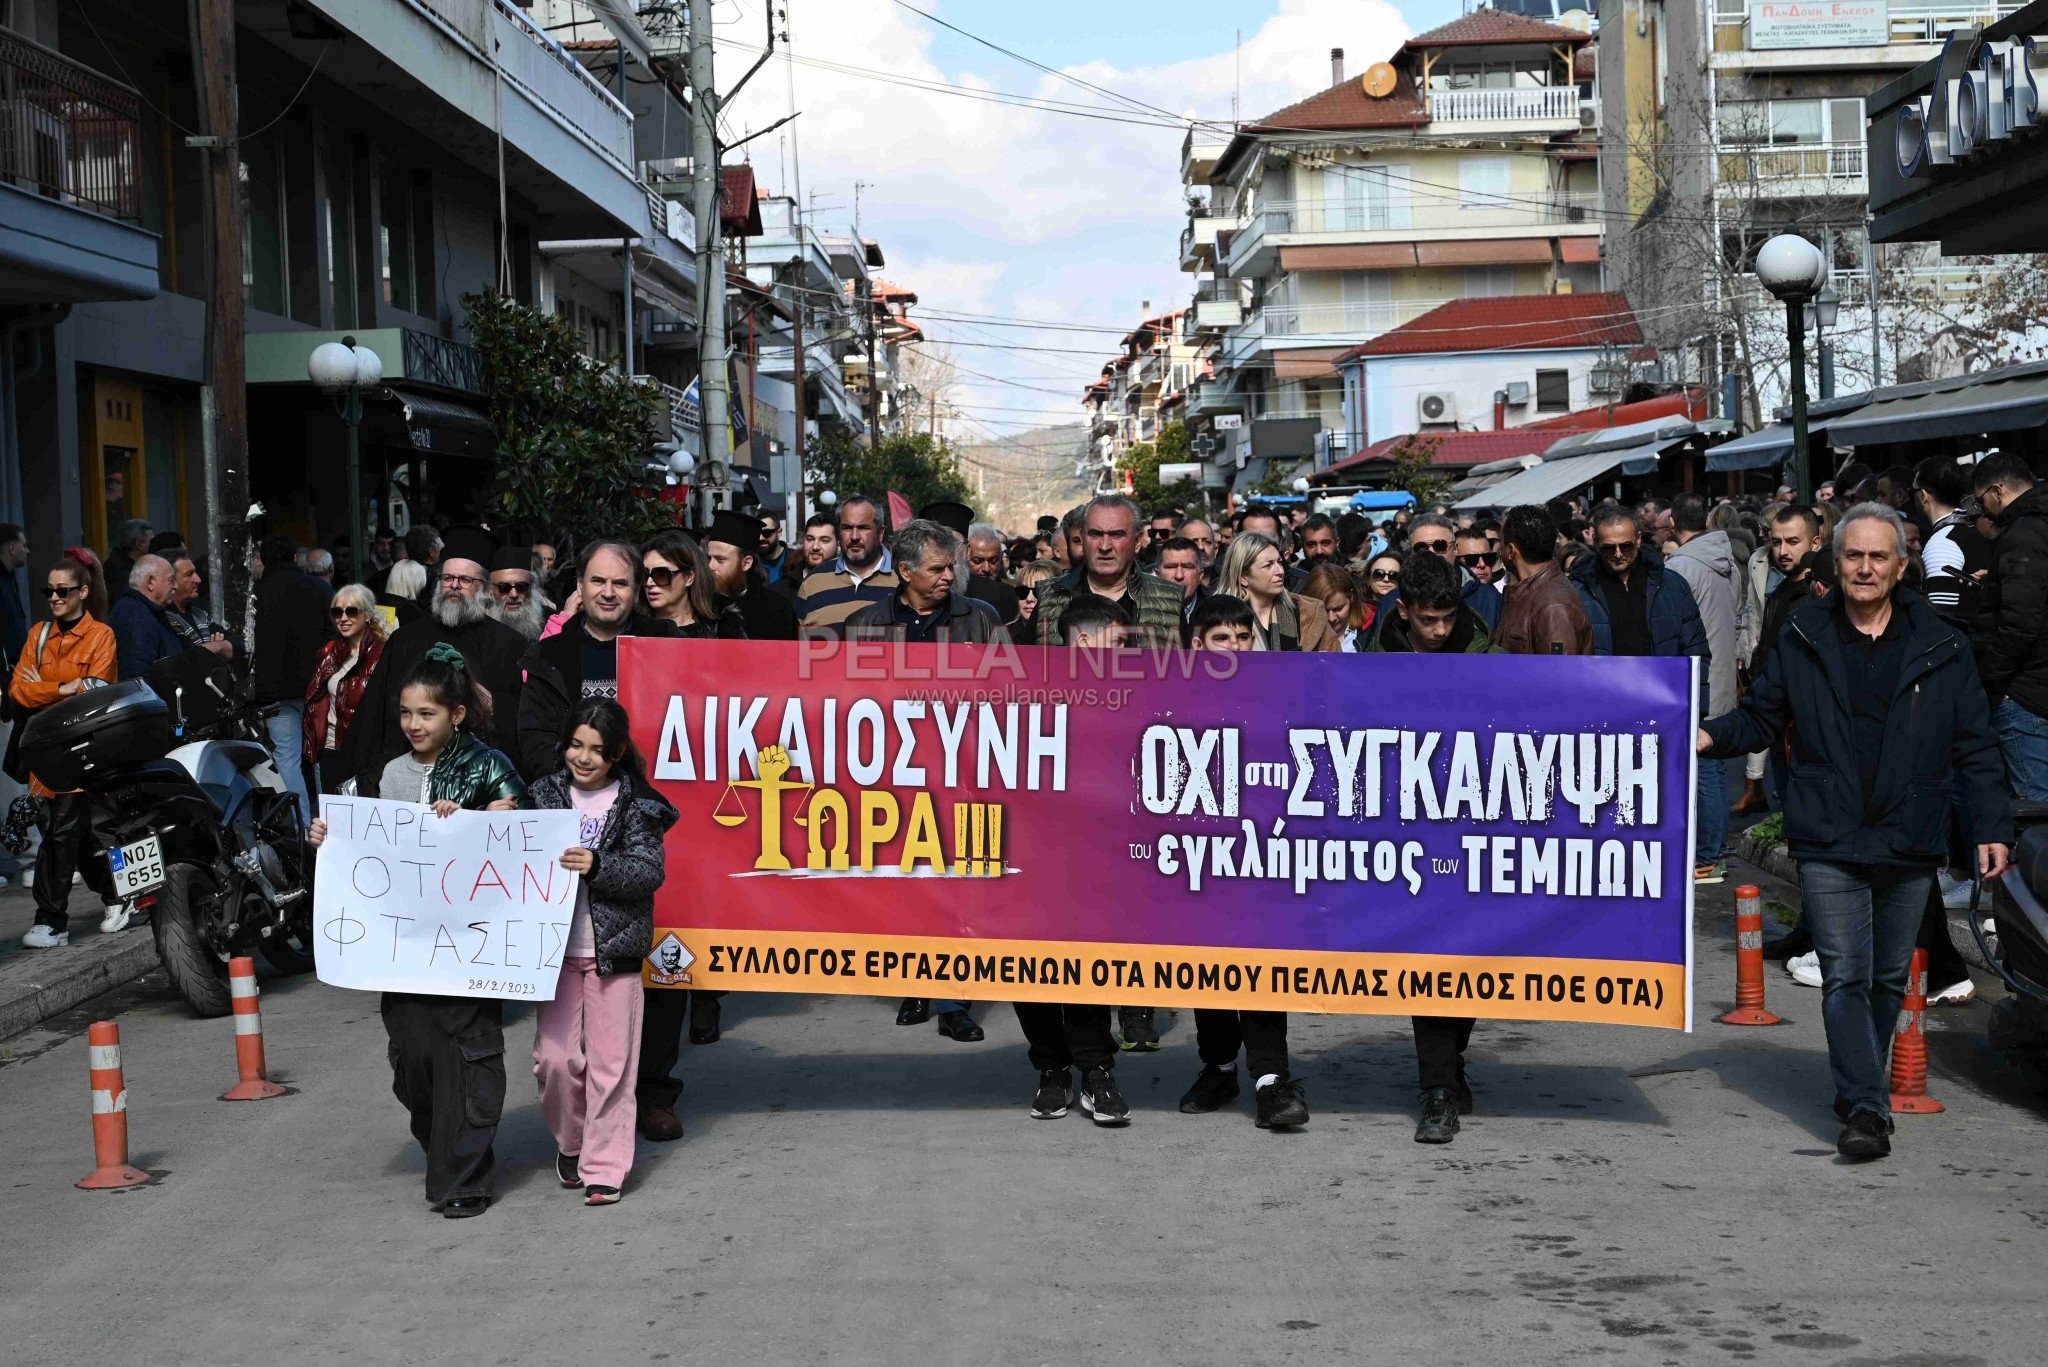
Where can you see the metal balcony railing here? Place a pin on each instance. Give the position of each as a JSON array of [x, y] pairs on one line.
[[1831, 165], [1361, 319], [1504, 106], [1420, 205], [68, 132]]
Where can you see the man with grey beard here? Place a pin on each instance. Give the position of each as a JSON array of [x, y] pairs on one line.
[[515, 591], [460, 613]]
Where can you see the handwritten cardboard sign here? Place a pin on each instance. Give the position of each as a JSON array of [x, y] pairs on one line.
[[476, 904]]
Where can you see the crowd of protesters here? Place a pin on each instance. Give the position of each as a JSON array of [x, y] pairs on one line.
[[1878, 659]]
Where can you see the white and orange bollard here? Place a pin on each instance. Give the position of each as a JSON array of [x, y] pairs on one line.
[[109, 1114], [1909, 1046], [1749, 961], [248, 1016]]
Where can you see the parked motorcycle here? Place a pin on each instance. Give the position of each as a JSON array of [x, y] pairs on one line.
[[198, 826], [2014, 941]]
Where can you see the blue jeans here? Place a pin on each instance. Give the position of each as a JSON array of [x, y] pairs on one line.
[[1710, 812], [287, 726], [2024, 738], [1864, 920]]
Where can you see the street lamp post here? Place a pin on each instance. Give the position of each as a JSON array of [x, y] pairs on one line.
[[345, 370], [1795, 270], [1820, 317]]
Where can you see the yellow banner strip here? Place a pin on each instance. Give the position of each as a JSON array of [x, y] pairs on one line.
[[1607, 991]]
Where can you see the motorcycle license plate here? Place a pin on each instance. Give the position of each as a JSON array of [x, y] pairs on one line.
[[138, 868]]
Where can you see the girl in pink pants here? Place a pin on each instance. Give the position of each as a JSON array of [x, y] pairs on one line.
[[587, 1044]]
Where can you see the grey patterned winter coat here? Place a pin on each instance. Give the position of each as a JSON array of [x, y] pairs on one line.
[[628, 868]]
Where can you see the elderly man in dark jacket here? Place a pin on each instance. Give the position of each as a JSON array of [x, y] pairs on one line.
[[925, 607], [1887, 717], [142, 627]]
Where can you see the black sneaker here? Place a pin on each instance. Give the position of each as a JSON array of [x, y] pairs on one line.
[[1055, 1094], [1211, 1091], [1100, 1098], [1439, 1123], [1462, 1093], [1134, 1023], [1867, 1135], [958, 1025], [1282, 1105], [565, 1170], [1790, 945]]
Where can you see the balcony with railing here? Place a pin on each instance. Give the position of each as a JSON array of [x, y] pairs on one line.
[[1406, 210], [1792, 170], [1198, 239], [1543, 104], [1355, 321], [70, 181]]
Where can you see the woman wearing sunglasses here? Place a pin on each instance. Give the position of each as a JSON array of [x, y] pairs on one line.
[[675, 585], [340, 679], [71, 652], [1029, 580], [1382, 572]]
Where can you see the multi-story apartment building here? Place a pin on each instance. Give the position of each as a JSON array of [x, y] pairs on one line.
[[1464, 167], [1726, 121], [1145, 387], [376, 195]]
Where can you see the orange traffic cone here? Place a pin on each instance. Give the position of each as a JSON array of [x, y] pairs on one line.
[[1749, 961], [1909, 1046], [109, 1114], [254, 1086]]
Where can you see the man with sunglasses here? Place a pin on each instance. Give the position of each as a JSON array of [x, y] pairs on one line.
[[1434, 534], [1476, 558], [515, 585]]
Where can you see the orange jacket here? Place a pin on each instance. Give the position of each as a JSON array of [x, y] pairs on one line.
[[57, 657]]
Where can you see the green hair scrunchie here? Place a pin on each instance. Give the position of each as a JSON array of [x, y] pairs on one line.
[[446, 654]]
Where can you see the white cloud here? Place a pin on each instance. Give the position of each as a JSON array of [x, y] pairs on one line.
[[985, 208]]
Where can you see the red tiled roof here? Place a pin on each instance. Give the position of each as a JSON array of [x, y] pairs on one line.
[[883, 289], [1344, 106], [1486, 27], [1510, 322], [739, 210]]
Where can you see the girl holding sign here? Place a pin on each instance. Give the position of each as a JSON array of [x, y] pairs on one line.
[[448, 1053], [586, 1049]]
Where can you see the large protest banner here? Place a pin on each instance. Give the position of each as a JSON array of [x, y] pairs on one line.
[[1499, 836], [474, 904]]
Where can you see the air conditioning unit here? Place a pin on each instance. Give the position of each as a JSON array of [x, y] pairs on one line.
[[1588, 115], [1438, 407], [1517, 393]]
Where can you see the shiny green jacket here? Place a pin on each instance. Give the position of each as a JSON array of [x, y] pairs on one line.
[[472, 775]]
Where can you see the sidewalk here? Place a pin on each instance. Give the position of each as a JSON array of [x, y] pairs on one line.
[[36, 984]]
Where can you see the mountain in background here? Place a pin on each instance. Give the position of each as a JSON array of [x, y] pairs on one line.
[[1017, 478]]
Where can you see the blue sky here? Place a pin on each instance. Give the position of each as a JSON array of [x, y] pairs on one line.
[[1063, 32]]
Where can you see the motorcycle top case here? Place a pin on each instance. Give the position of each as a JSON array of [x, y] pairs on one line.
[[70, 744]]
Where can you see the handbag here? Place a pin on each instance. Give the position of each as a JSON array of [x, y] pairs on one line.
[[11, 763]]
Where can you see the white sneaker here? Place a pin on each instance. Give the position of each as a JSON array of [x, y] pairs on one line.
[[116, 919], [42, 937], [1805, 969], [1956, 892], [1955, 994]]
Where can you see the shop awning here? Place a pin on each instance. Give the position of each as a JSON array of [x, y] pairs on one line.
[[1557, 477], [1758, 450], [1986, 405], [1495, 472], [437, 424]]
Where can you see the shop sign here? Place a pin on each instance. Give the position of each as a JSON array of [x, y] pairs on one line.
[[1779, 24], [1984, 93]]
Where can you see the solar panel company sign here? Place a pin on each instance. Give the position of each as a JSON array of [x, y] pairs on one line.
[[1779, 24]]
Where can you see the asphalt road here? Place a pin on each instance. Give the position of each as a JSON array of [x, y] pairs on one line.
[[852, 1192]]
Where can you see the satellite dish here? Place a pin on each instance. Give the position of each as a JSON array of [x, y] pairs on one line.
[[1379, 80]]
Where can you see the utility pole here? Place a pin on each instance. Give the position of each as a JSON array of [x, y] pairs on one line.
[[867, 289], [711, 384], [213, 59], [796, 310]]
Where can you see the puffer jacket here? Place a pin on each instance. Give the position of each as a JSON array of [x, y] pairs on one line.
[[2012, 634], [472, 775], [353, 685], [629, 866], [1708, 565], [1468, 637]]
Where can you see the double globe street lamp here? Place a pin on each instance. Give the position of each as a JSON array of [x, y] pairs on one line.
[[345, 370], [1796, 271]]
